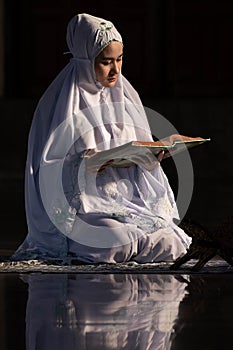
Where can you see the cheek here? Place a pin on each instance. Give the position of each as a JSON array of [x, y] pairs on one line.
[[101, 72], [120, 65]]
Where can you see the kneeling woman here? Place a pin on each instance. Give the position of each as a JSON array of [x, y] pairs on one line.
[[77, 207]]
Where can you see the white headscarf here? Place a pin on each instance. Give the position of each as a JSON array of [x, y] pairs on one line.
[[75, 90], [72, 116]]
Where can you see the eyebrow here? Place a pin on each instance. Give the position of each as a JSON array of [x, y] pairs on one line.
[[111, 58]]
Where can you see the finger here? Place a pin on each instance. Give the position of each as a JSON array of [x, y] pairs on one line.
[[160, 156]]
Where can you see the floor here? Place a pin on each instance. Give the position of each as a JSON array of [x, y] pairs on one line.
[[116, 311]]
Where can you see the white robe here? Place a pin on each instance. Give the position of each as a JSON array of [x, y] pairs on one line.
[[116, 215]]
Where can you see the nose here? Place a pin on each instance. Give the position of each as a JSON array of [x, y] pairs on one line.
[[115, 67]]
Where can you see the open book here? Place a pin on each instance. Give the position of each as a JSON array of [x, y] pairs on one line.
[[121, 156]]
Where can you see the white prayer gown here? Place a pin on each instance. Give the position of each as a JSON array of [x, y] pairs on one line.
[[118, 214]]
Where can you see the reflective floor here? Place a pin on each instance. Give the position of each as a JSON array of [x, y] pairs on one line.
[[116, 311]]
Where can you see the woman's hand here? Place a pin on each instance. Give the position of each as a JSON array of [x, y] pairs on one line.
[[160, 156]]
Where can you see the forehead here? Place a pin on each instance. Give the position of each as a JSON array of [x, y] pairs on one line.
[[114, 49]]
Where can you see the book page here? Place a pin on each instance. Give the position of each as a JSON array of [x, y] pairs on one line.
[[144, 152]]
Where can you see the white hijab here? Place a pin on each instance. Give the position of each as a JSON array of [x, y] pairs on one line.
[[75, 90], [71, 117]]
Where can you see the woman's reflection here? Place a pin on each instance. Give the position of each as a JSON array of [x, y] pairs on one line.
[[90, 311]]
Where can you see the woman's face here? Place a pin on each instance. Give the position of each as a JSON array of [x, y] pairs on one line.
[[108, 64]]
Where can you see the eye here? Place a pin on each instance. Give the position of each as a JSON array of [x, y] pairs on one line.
[[106, 63]]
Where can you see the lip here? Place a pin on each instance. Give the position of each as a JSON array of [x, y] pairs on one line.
[[111, 80]]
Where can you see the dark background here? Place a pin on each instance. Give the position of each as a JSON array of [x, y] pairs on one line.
[[178, 55]]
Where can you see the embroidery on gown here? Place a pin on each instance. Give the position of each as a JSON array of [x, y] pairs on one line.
[[63, 215], [108, 188], [119, 194]]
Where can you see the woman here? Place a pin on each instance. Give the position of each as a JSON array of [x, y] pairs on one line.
[[77, 207]]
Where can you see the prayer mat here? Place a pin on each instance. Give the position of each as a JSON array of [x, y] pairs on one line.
[[74, 266]]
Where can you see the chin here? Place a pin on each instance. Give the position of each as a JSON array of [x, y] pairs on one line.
[[110, 84]]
